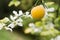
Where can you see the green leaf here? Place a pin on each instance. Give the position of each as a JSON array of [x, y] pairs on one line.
[[27, 20], [11, 3], [16, 3], [57, 22], [38, 24]]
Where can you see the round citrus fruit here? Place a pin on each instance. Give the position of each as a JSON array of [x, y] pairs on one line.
[[38, 12]]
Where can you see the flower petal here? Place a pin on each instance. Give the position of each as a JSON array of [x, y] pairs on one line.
[[8, 29], [20, 13], [11, 17], [19, 24], [27, 13], [12, 25], [50, 9], [32, 25], [15, 13], [1, 25]]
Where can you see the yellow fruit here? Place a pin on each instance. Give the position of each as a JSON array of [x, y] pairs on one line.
[[38, 12]]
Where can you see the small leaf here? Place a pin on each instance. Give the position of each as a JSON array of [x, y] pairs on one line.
[[38, 24], [11, 3], [16, 3], [49, 3]]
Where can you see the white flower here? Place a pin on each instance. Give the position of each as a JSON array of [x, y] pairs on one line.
[[19, 22], [50, 26], [50, 9], [15, 17], [20, 13], [27, 13], [12, 18], [15, 13], [57, 38], [1, 25], [32, 25], [12, 25], [7, 28], [36, 30]]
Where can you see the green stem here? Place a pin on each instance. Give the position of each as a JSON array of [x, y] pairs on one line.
[[36, 2], [57, 11], [33, 5]]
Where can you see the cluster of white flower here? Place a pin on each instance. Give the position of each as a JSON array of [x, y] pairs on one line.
[[35, 29], [48, 26], [15, 20]]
